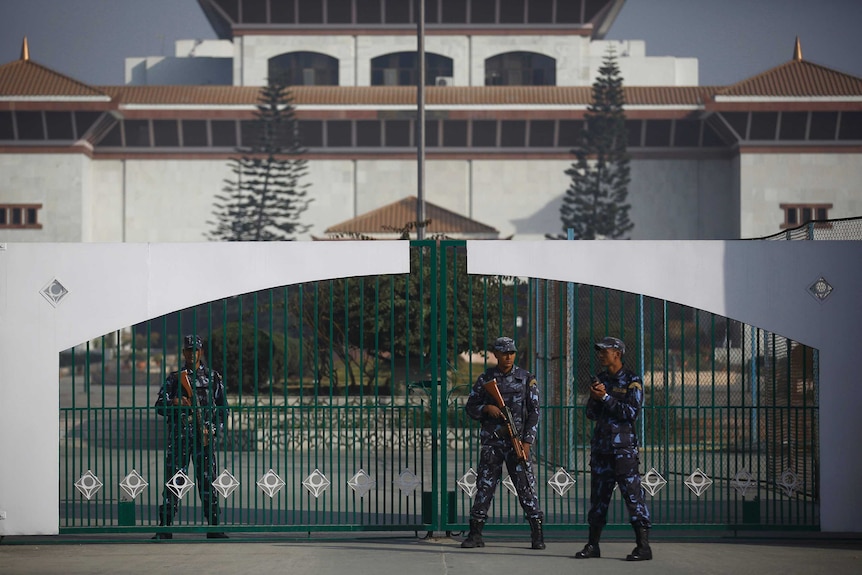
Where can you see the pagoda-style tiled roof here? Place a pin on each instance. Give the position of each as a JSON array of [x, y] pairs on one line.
[[25, 79], [392, 217], [796, 79]]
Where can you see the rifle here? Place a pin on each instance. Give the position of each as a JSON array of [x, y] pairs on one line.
[[517, 444], [187, 389]]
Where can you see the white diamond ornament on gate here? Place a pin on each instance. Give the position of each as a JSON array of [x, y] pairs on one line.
[[132, 484], [467, 483], [225, 483], [270, 483], [742, 481], [510, 485], [361, 483], [561, 481], [316, 483], [407, 481], [180, 484], [789, 482], [653, 482], [88, 484], [698, 482]]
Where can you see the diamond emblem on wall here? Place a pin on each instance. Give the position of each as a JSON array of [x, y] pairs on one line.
[[88, 484], [742, 481], [467, 483], [225, 483], [316, 483], [789, 482], [820, 289], [698, 482], [180, 484], [361, 483], [561, 481], [407, 481], [653, 481], [54, 292], [270, 483], [132, 484]]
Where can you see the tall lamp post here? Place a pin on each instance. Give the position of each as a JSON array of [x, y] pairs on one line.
[[420, 123]]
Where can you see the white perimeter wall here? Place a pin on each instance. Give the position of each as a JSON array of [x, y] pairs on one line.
[[112, 286]]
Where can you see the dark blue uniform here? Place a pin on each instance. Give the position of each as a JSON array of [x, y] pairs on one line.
[[614, 458], [191, 434], [520, 393]]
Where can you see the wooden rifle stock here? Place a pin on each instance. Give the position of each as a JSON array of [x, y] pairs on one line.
[[187, 390], [517, 444]]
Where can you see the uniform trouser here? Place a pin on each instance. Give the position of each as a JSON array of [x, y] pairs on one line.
[[622, 470], [491, 469], [178, 455]]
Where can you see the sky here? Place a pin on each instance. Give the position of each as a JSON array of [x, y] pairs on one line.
[[732, 39]]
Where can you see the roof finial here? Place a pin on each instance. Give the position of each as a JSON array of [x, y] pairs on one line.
[[797, 51], [25, 50]]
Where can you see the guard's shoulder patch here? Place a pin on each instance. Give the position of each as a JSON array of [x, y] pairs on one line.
[[636, 385], [533, 382]]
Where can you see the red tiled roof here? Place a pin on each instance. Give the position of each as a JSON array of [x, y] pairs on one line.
[[797, 79], [406, 95], [26, 78], [394, 216]]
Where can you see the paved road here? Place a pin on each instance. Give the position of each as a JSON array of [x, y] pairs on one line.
[[322, 554]]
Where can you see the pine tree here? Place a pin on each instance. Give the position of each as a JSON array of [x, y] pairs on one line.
[[594, 205], [265, 198]]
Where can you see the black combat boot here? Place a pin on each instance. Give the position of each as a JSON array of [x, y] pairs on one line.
[[216, 534], [165, 518], [591, 549], [642, 552], [474, 538], [536, 533]]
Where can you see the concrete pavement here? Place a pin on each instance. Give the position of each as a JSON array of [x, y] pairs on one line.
[[367, 554]]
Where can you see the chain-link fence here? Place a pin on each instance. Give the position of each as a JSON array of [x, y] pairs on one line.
[[838, 229]]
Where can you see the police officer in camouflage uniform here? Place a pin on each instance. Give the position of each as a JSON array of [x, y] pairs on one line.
[[616, 395], [520, 393], [193, 421]]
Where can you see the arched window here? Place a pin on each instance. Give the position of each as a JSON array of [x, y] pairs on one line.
[[304, 69], [401, 68], [520, 69]]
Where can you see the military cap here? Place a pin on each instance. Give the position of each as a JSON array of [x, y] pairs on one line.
[[192, 342], [611, 343], [505, 344]]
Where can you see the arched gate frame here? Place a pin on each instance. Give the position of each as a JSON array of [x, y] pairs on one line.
[[349, 414], [53, 300]]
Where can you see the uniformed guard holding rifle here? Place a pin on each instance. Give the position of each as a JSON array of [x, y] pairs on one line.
[[192, 401], [505, 399]]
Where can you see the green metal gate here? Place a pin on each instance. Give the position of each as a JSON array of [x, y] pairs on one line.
[[346, 407]]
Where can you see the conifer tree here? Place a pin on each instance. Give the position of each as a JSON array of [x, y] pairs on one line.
[[594, 205], [265, 198]]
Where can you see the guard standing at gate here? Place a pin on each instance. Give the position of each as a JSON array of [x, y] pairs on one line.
[[192, 401], [518, 390], [616, 395]]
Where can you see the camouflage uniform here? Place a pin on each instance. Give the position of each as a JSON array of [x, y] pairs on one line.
[[614, 456], [521, 394], [185, 437]]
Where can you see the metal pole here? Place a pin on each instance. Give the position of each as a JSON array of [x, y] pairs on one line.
[[420, 123], [571, 376]]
